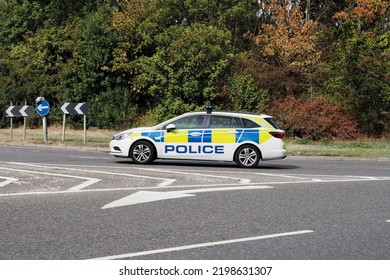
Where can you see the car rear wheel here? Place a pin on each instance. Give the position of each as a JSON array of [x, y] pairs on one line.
[[247, 156], [142, 152]]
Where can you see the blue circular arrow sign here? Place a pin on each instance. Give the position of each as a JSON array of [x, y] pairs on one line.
[[43, 107]]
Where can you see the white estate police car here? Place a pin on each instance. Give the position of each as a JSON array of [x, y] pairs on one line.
[[211, 135]]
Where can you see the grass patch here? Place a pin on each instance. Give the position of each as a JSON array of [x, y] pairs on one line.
[[95, 137], [360, 148]]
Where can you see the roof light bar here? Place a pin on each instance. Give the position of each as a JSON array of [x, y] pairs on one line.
[[209, 108]]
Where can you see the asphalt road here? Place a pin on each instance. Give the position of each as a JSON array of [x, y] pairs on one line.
[[71, 204]]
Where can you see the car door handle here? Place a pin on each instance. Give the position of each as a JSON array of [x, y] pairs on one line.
[[195, 134]]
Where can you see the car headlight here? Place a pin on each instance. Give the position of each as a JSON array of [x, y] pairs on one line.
[[121, 136]]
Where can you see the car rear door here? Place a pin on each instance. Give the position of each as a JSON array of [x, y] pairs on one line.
[[220, 137]]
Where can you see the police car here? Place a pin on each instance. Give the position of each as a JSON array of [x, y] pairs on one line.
[[209, 135]]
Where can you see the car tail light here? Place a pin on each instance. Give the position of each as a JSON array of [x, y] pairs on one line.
[[276, 134]]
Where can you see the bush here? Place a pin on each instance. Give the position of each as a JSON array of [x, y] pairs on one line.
[[314, 119], [245, 96]]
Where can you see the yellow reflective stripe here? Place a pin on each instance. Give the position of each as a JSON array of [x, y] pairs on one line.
[[223, 136], [176, 136], [260, 121], [264, 135], [135, 135]]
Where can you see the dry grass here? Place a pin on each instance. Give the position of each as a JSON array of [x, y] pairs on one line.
[[373, 148], [95, 137]]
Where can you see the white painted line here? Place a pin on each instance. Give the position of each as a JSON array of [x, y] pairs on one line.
[[149, 196], [166, 182], [388, 221], [241, 180], [369, 177], [192, 186], [85, 157], [7, 181], [144, 197], [202, 245], [89, 181], [39, 193], [110, 190], [281, 175]]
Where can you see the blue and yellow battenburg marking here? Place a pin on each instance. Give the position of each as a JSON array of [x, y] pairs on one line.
[[225, 136]]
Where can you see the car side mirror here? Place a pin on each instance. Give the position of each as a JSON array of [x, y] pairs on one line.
[[170, 127]]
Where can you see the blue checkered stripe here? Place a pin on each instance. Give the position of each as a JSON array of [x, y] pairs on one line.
[[206, 135]]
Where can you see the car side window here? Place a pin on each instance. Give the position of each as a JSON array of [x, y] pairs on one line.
[[224, 122], [249, 123], [190, 122]]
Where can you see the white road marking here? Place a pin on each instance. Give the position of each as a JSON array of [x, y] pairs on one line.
[[7, 181], [144, 197], [280, 175], [388, 221], [202, 245], [148, 196], [89, 181], [200, 186], [85, 157], [166, 182], [369, 177], [241, 180], [81, 186]]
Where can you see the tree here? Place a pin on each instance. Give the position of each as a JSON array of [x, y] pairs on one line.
[[287, 50], [186, 70], [177, 54], [367, 74], [363, 13]]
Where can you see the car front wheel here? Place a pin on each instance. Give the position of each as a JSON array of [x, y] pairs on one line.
[[142, 152], [247, 156]]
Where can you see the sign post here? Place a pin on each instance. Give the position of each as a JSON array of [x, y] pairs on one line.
[[19, 111], [43, 109], [11, 123], [74, 109]]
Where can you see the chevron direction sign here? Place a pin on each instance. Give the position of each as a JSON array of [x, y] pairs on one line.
[[74, 108], [19, 111]]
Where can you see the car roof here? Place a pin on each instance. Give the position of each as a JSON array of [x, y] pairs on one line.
[[228, 113]]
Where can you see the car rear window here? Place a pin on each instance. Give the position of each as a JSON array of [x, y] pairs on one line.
[[271, 122]]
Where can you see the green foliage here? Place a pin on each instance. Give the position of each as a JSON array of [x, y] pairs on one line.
[[367, 75], [245, 96], [187, 65], [357, 75], [148, 60], [88, 77], [19, 20]]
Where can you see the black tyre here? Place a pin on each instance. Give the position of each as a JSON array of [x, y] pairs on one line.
[[247, 156], [142, 152]]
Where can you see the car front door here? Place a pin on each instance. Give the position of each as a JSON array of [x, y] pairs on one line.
[[183, 138]]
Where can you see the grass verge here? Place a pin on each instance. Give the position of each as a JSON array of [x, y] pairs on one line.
[[95, 137], [375, 148]]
